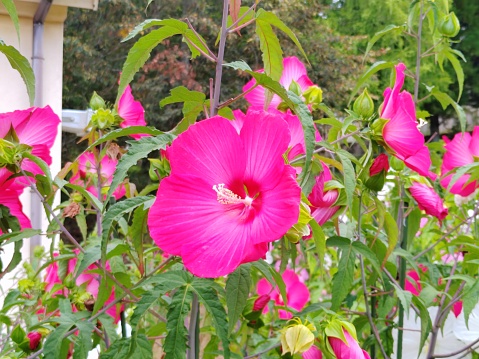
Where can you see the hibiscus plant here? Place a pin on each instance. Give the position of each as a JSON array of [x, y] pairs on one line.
[[276, 229]]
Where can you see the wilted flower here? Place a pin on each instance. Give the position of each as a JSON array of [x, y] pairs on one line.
[[297, 293], [297, 337], [228, 194], [322, 200]]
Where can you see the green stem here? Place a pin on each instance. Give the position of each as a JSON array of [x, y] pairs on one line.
[[193, 330], [402, 273]]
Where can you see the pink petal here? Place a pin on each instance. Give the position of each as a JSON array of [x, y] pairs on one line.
[[380, 163], [131, 112], [324, 214], [420, 162], [349, 350], [458, 152], [474, 145], [210, 149], [304, 82], [265, 138], [294, 69], [10, 198], [428, 200], [390, 104], [412, 284], [459, 187], [313, 353], [457, 308], [238, 121]]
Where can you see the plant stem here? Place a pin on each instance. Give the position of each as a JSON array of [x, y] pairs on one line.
[[193, 330], [219, 64], [402, 270], [418, 55]]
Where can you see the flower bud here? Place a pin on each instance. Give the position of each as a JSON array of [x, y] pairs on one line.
[[313, 95], [380, 163], [34, 338], [102, 119], [96, 102], [297, 337], [364, 105], [261, 302], [449, 26]]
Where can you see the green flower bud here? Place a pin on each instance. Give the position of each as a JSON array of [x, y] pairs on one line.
[[313, 95], [449, 26], [103, 119], [76, 197], [294, 87], [396, 164], [364, 105], [96, 102]]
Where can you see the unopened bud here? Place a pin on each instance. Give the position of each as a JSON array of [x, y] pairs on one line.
[[34, 338], [364, 106], [261, 302], [96, 102], [380, 163], [313, 95], [297, 338], [449, 25], [294, 87]]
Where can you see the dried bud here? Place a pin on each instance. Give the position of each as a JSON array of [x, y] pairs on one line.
[[89, 304], [449, 25], [96, 102], [113, 151], [364, 105], [261, 302], [297, 338], [71, 210], [34, 338]]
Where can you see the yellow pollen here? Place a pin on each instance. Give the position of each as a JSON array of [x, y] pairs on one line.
[[227, 196]]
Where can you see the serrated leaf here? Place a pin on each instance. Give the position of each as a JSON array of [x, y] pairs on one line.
[[143, 26], [237, 291], [91, 255], [53, 343], [137, 150], [118, 350], [16, 236], [271, 51], [349, 176], [343, 279], [83, 342], [405, 298], [392, 232], [208, 297], [143, 350], [319, 241], [388, 29], [177, 334], [115, 212], [182, 94], [470, 300], [22, 65], [140, 52], [12, 11], [377, 66], [272, 19]]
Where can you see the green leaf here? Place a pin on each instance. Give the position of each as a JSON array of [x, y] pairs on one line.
[[115, 212], [53, 344], [118, 350], [83, 343], [388, 29], [182, 94], [343, 279], [392, 233], [272, 54], [177, 334], [377, 66], [143, 350], [91, 255], [16, 236], [122, 132], [445, 100], [272, 19], [319, 241], [273, 277], [470, 299], [18, 334], [22, 65], [426, 324], [405, 298], [367, 253], [138, 150], [140, 52], [208, 297], [12, 11], [349, 176], [143, 26], [237, 291], [458, 69]]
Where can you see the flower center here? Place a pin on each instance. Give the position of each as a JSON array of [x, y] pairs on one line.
[[227, 196]]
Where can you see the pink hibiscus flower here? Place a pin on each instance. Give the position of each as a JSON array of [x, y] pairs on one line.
[[87, 174], [293, 70], [348, 350], [460, 152], [131, 111], [322, 202], [380, 163], [35, 127], [297, 293], [428, 200], [400, 133], [228, 194], [88, 279], [10, 192]]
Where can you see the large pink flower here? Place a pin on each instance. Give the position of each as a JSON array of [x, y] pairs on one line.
[[428, 200], [322, 202], [293, 70], [297, 293], [131, 111], [460, 152], [400, 133], [228, 194], [87, 278], [35, 127], [348, 350], [87, 173], [10, 192]]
